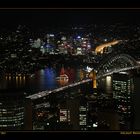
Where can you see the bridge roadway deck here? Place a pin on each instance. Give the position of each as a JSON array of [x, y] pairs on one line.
[[48, 92]]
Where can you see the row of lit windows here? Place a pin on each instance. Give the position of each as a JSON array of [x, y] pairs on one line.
[[123, 86], [12, 125], [16, 114], [124, 100], [122, 93], [10, 114], [82, 115], [82, 109], [11, 117], [119, 82], [119, 88], [82, 120], [8, 120], [119, 94], [120, 111], [83, 123], [122, 106], [12, 122], [122, 97], [10, 110], [14, 117]]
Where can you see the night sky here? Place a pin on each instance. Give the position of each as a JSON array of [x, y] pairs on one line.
[[57, 17]]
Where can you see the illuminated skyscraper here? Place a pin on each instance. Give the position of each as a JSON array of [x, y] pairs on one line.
[[12, 112], [123, 93], [83, 117]]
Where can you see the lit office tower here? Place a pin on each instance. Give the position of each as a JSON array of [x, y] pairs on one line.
[[64, 115], [64, 122], [123, 93], [83, 113], [11, 112], [83, 117]]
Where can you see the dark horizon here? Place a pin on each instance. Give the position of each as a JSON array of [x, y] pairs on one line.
[[40, 18]]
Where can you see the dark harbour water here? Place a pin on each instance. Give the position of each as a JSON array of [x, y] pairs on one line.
[[44, 79]]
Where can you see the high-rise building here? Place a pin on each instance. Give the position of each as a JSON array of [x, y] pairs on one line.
[[92, 117], [12, 112], [83, 117], [83, 113], [64, 115], [123, 95]]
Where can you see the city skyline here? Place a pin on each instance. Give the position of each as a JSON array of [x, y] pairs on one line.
[[69, 70]]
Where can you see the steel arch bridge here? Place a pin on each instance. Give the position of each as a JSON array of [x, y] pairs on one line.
[[115, 64], [112, 64]]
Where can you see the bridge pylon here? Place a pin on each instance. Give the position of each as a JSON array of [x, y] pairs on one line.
[[94, 80]]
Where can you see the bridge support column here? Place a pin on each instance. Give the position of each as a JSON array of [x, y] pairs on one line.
[[94, 80]]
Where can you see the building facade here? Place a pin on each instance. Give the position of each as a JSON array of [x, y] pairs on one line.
[[123, 95]]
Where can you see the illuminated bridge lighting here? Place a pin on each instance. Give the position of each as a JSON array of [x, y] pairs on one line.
[[116, 71], [105, 45]]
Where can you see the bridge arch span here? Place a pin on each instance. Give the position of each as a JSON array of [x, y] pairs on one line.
[[117, 63]]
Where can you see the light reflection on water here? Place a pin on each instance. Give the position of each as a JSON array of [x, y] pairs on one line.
[[44, 79]]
